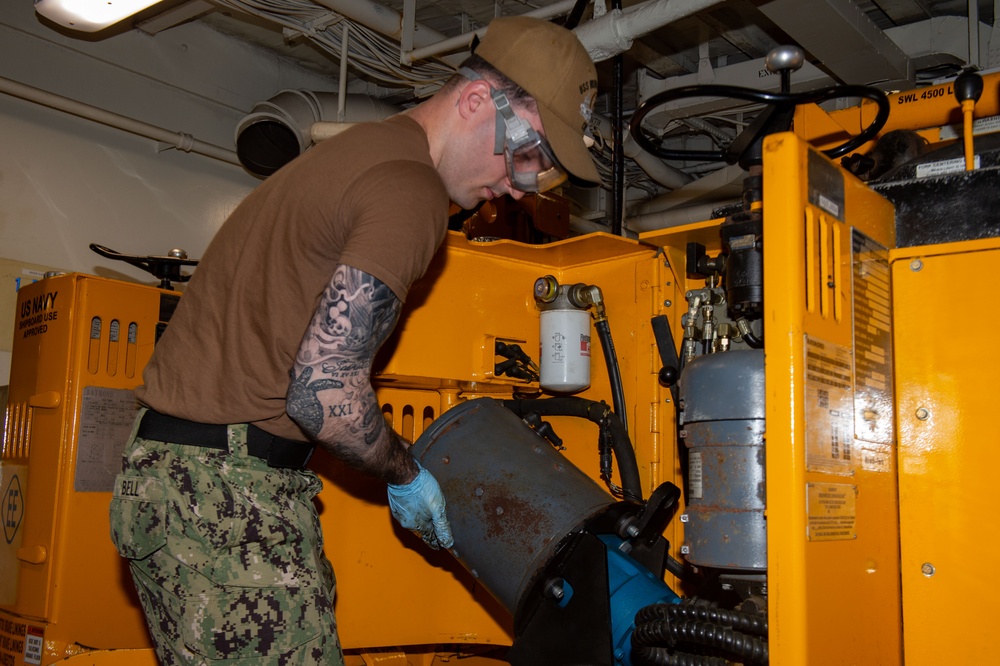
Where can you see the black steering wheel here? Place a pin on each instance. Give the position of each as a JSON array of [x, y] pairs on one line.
[[166, 268], [777, 117]]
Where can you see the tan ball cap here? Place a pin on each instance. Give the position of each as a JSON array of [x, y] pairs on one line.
[[550, 63]]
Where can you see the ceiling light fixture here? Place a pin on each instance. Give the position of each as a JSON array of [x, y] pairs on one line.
[[90, 15]]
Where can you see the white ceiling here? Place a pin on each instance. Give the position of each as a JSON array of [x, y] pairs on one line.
[[893, 44]]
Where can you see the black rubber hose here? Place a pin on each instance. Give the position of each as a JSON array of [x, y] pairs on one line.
[[753, 341], [614, 372], [660, 656], [759, 97], [596, 412], [576, 14], [750, 623], [660, 632]]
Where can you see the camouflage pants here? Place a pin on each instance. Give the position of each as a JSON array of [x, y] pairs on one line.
[[226, 554]]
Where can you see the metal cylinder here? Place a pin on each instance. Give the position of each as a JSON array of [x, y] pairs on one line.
[[511, 497], [564, 336], [723, 427]]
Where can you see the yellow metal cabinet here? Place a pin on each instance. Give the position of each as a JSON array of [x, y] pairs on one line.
[[949, 448]]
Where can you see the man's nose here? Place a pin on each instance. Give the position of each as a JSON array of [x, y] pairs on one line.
[[514, 193]]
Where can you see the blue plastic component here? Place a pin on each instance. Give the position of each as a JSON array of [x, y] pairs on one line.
[[567, 594], [631, 586]]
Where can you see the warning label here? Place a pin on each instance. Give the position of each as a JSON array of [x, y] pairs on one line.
[[832, 510], [33, 645], [12, 635], [829, 407], [695, 477]]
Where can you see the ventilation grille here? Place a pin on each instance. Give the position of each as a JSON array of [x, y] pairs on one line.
[[824, 265], [17, 431]]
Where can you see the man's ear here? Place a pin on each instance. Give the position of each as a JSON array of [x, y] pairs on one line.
[[475, 97]]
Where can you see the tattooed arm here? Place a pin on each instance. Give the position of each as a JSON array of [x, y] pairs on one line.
[[331, 395]]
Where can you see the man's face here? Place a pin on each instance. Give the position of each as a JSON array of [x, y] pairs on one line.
[[477, 174]]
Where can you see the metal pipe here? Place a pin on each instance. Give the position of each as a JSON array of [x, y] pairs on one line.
[[672, 218], [463, 41], [974, 33], [657, 169], [613, 33], [345, 38], [381, 19], [617, 152], [178, 140]]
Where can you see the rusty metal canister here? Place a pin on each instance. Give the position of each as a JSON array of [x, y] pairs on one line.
[[722, 397], [511, 497]]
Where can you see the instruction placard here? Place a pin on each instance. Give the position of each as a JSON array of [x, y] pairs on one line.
[[832, 511], [106, 419], [829, 407], [873, 390]]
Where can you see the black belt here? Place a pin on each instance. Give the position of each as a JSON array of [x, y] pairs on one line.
[[277, 451]]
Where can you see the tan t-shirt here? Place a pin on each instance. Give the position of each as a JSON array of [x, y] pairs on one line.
[[368, 198]]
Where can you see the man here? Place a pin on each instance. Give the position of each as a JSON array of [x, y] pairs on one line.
[[271, 348]]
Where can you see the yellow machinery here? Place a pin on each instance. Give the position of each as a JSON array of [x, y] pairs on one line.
[[868, 515]]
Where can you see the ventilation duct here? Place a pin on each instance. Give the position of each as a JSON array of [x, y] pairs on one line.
[[279, 129]]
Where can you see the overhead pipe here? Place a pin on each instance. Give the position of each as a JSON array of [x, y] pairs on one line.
[[617, 123], [178, 140], [279, 129], [381, 19], [345, 43], [661, 172], [613, 33], [462, 41], [725, 180], [602, 37], [672, 218], [974, 33]]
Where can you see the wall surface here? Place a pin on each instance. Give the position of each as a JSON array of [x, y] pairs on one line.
[[66, 182]]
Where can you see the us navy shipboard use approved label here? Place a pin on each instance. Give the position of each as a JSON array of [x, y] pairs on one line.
[[829, 407], [831, 509]]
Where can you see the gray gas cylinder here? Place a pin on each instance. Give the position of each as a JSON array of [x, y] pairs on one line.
[[722, 398], [511, 497]]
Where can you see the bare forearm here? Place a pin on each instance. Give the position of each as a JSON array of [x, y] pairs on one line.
[[354, 430], [331, 396]]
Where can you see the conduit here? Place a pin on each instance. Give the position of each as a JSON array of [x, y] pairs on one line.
[[281, 128], [463, 41], [613, 33], [661, 172], [178, 140]]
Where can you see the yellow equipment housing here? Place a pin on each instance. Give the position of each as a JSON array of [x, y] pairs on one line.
[[876, 522]]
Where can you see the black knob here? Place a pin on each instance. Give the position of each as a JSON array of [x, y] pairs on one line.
[[968, 85], [667, 376]]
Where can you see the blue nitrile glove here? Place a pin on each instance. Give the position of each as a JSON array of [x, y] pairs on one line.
[[419, 506]]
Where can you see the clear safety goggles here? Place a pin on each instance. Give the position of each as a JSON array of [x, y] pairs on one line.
[[531, 164]]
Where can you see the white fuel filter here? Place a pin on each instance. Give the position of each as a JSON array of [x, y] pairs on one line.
[[564, 354]]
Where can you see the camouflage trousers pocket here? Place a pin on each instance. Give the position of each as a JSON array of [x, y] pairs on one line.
[[261, 625], [138, 516]]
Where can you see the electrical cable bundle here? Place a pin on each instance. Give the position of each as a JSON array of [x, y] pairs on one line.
[[369, 53]]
